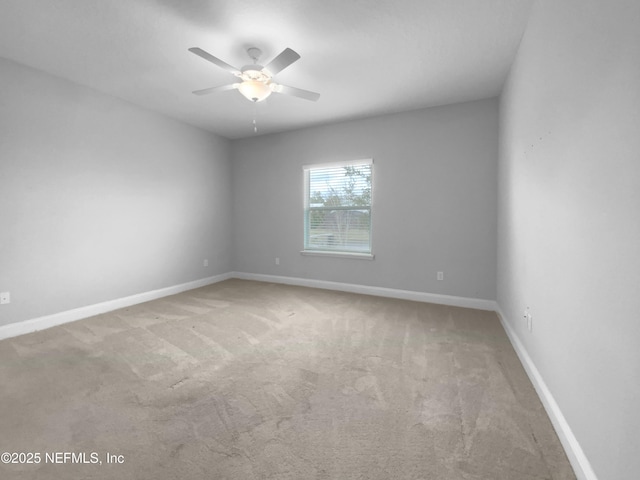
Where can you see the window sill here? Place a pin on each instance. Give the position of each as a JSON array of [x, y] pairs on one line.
[[324, 253]]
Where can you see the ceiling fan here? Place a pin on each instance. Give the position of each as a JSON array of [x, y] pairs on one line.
[[257, 81]]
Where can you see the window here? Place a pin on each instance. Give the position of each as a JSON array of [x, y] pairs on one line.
[[337, 208]]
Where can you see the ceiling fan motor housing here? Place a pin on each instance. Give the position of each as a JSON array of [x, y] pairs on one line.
[[254, 72]]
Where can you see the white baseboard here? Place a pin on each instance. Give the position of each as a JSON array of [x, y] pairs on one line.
[[575, 454], [48, 321], [450, 300]]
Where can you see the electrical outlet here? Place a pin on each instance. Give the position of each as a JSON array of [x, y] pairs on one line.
[[5, 297], [440, 276], [528, 318], [205, 262], [277, 260]]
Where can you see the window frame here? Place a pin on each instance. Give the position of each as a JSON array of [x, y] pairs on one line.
[[307, 209]]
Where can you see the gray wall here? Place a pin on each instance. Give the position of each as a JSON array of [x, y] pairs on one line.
[[101, 199], [569, 218], [434, 196]]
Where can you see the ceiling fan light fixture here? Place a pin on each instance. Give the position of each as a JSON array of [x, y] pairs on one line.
[[256, 83], [254, 90]]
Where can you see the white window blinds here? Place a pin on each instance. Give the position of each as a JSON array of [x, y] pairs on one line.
[[337, 213]]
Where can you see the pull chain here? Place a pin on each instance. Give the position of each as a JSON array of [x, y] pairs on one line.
[[255, 114]]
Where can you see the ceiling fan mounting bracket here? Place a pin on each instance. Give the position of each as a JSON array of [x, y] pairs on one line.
[[254, 72], [254, 54]]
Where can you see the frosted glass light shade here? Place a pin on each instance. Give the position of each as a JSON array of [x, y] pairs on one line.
[[254, 90]]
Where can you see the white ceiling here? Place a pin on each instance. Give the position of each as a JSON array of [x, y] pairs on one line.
[[365, 57]]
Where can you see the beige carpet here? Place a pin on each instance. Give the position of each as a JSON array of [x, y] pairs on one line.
[[248, 380]]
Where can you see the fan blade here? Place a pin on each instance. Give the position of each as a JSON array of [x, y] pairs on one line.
[[297, 92], [221, 88], [282, 61], [216, 61]]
